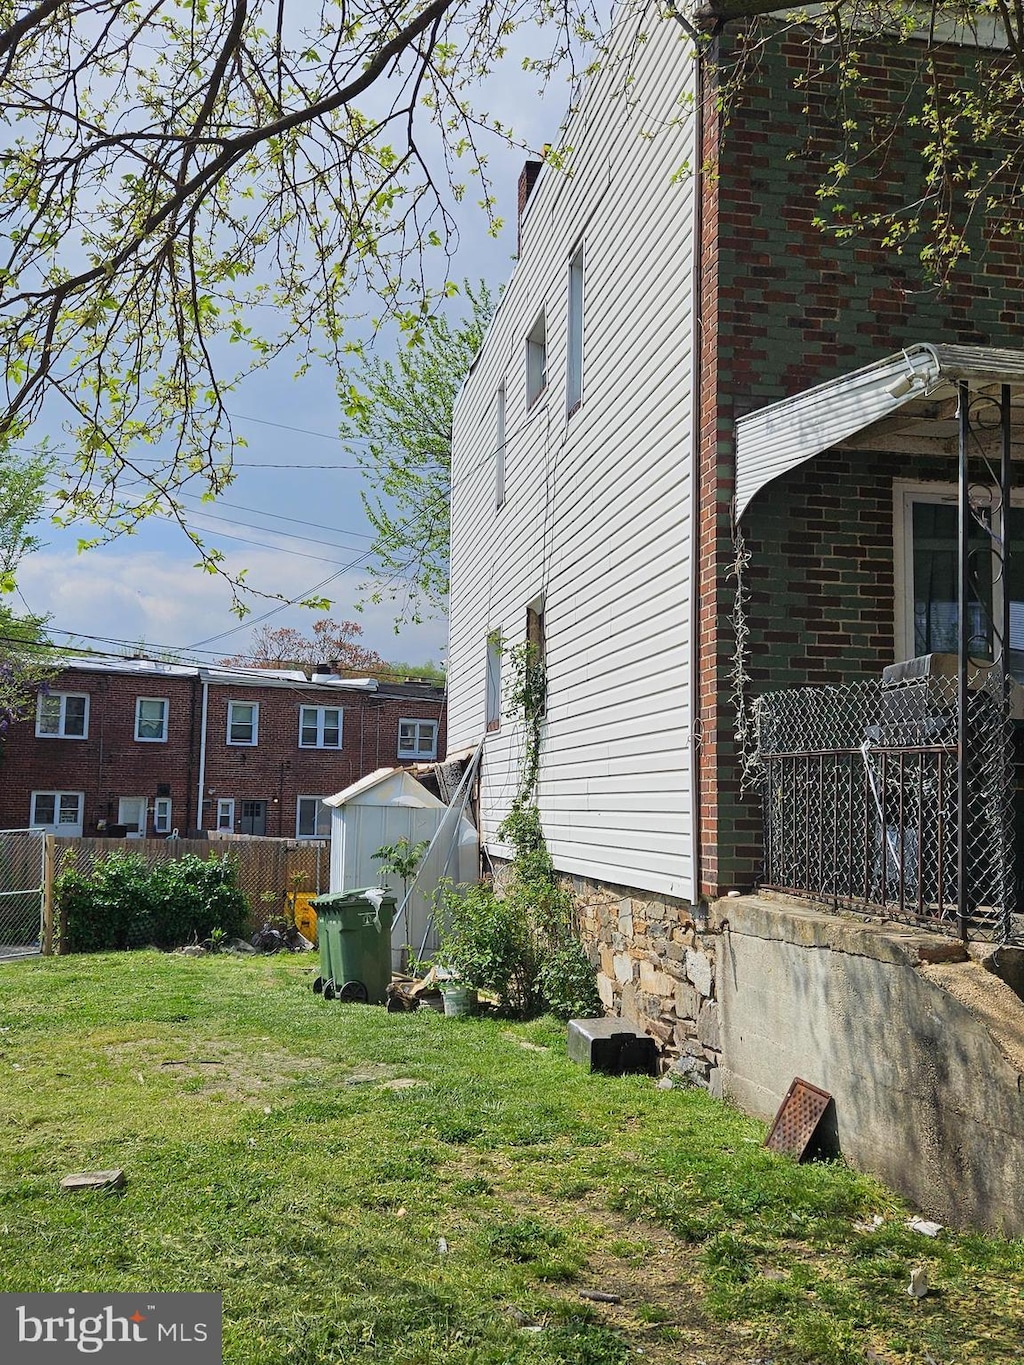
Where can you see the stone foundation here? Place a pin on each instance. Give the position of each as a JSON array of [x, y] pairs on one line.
[[655, 960]]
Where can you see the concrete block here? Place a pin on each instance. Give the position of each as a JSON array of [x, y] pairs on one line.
[[612, 1047]]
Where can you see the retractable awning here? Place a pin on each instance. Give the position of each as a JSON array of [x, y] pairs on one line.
[[905, 403]]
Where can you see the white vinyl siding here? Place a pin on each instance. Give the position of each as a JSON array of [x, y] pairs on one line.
[[597, 515], [574, 339]]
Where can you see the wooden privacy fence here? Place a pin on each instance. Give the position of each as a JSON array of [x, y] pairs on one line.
[[268, 869]]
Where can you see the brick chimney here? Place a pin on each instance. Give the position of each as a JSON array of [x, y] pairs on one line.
[[527, 180]]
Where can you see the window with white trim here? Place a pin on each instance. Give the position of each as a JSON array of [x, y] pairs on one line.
[[417, 738], [492, 711], [574, 340], [162, 815], [312, 818], [226, 813], [243, 722], [151, 720], [320, 727], [536, 360], [499, 449], [62, 715], [927, 552], [58, 812]]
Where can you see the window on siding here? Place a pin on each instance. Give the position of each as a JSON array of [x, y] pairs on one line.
[[493, 703], [62, 715], [417, 739], [312, 818], [499, 450], [574, 358], [243, 722], [320, 727], [151, 720], [536, 361]]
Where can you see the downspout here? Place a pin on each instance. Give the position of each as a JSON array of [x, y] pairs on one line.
[[696, 287], [202, 755]]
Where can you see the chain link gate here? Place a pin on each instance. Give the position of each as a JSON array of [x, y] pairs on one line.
[[23, 882]]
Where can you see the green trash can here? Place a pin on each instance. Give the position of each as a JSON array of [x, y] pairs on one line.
[[354, 934]]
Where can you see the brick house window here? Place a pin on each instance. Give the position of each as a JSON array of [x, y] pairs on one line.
[[312, 818], [62, 715], [927, 614], [226, 813], [151, 720], [417, 739], [320, 727], [58, 812], [243, 722]]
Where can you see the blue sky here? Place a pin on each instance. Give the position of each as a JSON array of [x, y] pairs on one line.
[[293, 517]]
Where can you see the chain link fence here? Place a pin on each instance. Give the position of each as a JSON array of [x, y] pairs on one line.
[[22, 882], [861, 785]]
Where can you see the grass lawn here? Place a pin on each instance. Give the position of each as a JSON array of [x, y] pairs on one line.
[[363, 1186]]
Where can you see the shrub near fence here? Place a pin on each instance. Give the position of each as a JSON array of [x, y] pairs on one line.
[[267, 870]]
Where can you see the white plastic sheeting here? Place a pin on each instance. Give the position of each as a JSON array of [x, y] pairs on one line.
[[380, 809]]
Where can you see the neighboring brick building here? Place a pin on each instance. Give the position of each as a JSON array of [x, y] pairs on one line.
[[152, 748]]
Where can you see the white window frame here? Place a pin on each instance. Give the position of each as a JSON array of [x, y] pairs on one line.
[[56, 825], [574, 337], [492, 703], [225, 813], [244, 743], [320, 813], [321, 727], [161, 815], [152, 739], [499, 448], [536, 361], [906, 493], [418, 723], [61, 731]]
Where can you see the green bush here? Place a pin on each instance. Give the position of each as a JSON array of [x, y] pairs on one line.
[[123, 903], [568, 984]]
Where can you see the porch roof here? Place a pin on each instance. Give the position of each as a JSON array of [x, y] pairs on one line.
[[905, 403]]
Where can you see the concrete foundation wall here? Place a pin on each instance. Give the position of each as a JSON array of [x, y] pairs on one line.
[[924, 1059]]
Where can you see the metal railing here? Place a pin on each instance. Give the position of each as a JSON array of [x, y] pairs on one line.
[[860, 788]]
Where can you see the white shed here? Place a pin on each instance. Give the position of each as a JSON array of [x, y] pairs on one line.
[[381, 808]]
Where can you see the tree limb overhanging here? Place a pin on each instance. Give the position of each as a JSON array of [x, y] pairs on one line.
[[190, 191]]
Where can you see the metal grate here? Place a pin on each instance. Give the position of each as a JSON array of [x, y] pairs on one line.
[[799, 1115], [860, 789]]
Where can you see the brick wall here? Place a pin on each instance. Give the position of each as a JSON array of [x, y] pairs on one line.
[[110, 763], [786, 306]]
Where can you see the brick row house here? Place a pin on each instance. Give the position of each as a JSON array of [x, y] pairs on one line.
[[710, 454], [144, 748]]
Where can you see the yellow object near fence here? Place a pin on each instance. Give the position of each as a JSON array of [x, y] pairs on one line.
[[303, 913]]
